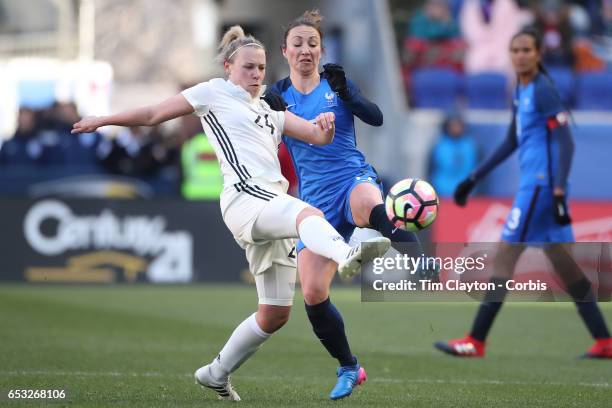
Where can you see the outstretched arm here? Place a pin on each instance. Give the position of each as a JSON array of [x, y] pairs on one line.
[[152, 115], [319, 133], [505, 149]]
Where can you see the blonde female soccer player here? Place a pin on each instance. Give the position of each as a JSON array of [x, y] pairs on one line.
[[264, 220]]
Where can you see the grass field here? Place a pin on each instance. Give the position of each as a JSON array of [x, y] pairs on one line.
[[137, 346]]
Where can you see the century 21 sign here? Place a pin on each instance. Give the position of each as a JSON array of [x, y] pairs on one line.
[[104, 239]]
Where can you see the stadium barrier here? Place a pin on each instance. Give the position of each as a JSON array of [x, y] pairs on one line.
[[482, 220], [108, 241]]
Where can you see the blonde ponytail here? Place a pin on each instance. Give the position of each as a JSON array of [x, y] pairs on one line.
[[234, 39]]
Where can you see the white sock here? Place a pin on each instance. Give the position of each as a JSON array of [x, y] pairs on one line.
[[321, 238], [242, 344]]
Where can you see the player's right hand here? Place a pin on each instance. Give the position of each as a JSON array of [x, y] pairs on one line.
[[325, 121], [86, 125], [463, 190]]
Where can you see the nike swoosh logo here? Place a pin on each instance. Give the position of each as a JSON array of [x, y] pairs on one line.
[[291, 106], [394, 229]]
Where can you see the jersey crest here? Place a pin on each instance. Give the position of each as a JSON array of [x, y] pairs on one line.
[[330, 98]]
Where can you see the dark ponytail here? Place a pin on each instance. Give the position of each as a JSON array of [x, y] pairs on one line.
[[537, 40]]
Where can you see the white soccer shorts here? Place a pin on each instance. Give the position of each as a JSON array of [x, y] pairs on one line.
[[262, 217]]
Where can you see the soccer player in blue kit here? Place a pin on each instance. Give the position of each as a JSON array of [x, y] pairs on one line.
[[540, 132], [336, 177]]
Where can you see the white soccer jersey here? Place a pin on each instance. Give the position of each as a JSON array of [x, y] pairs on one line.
[[244, 131]]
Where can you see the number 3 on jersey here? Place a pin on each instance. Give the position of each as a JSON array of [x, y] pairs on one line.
[[514, 219], [267, 123]]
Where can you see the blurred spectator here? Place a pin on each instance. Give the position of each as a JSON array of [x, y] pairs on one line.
[[135, 151], [453, 156], [119, 154], [579, 18], [23, 148], [603, 33], [76, 149], [202, 178], [434, 22], [487, 27], [606, 13], [593, 10], [433, 40], [552, 21], [49, 139]]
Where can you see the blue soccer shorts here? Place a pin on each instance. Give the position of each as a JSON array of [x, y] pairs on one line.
[[337, 206], [532, 219]]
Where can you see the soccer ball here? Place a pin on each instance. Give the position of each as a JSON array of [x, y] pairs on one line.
[[412, 204]]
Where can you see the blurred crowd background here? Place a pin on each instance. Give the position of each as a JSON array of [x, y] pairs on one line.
[[439, 70]]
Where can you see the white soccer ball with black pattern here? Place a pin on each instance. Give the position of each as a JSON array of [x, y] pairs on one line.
[[412, 204]]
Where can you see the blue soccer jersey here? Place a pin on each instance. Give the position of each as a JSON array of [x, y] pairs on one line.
[[322, 170], [531, 218], [327, 174], [534, 104]]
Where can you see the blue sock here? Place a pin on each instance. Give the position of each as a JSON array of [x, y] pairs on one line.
[[593, 319], [328, 325], [488, 310], [484, 319]]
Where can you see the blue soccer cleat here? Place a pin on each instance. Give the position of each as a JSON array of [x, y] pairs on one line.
[[348, 378]]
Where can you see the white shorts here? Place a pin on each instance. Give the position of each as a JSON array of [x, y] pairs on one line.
[[262, 217]]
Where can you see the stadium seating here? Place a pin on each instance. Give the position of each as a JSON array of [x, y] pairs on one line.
[[435, 88], [487, 91], [594, 91], [444, 89], [592, 146]]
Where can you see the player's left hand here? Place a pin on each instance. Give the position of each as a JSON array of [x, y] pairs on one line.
[[337, 79], [275, 101], [561, 214]]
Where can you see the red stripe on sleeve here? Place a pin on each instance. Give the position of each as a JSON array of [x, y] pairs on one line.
[[552, 123]]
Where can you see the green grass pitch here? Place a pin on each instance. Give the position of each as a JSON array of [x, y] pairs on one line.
[[137, 346]]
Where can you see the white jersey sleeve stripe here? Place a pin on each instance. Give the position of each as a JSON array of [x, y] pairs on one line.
[[223, 148], [223, 135], [245, 170], [226, 152]]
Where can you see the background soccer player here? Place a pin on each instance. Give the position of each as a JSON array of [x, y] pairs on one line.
[[336, 178], [539, 130]]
